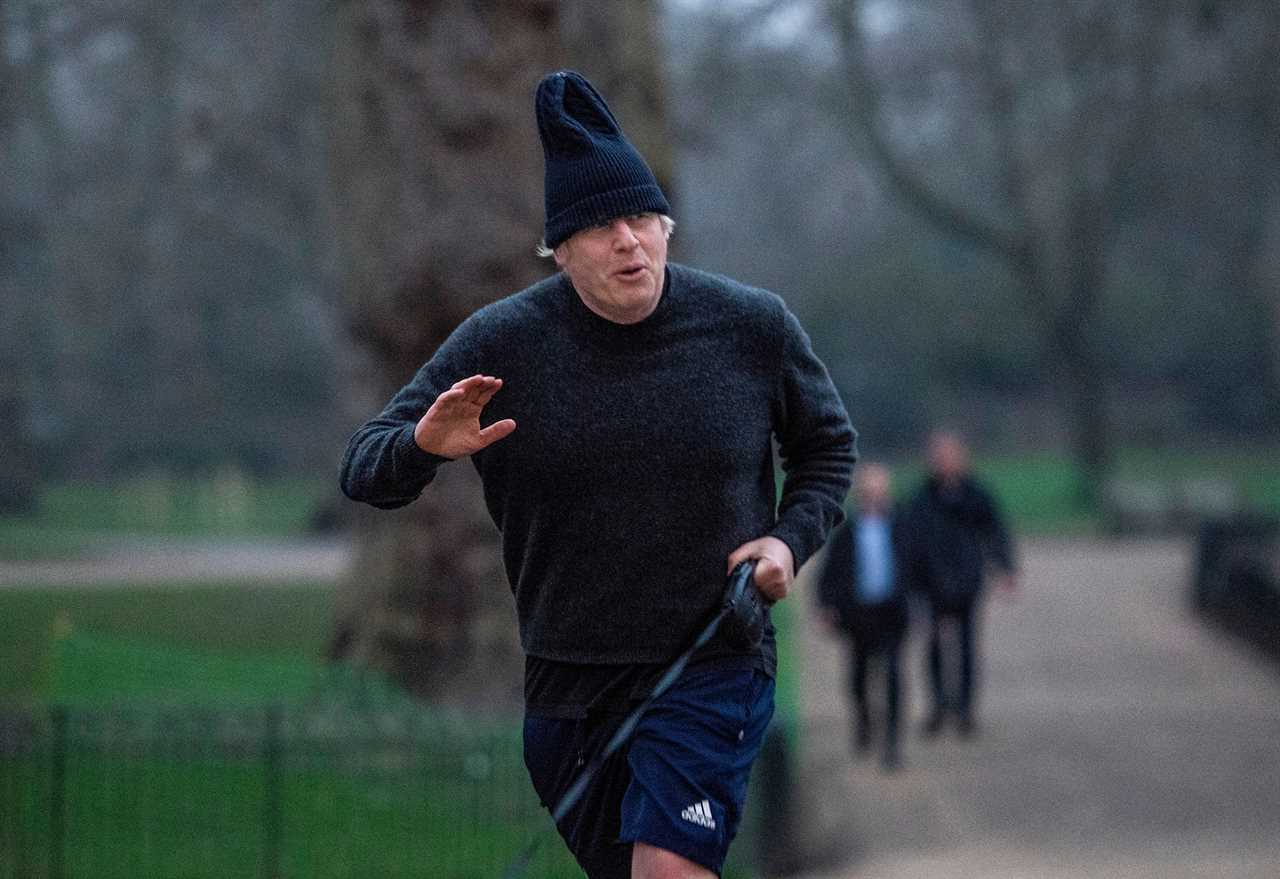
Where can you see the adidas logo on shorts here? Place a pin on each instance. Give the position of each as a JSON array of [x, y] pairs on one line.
[[700, 814]]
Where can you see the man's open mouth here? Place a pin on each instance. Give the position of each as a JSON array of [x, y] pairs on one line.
[[630, 273]]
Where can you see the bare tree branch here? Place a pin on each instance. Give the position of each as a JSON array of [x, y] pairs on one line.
[[1126, 157], [1002, 99], [864, 105]]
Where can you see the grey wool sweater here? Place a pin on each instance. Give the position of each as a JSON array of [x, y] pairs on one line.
[[641, 458]]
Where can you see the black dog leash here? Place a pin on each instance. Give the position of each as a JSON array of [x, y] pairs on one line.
[[742, 612]]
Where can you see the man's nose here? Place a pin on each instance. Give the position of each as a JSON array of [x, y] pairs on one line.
[[623, 237]]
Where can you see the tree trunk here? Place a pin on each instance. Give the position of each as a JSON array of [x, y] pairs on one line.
[[438, 198], [1080, 382], [22, 259], [1260, 257], [1083, 390], [1075, 338]]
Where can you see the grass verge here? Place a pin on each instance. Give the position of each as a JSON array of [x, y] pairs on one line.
[[222, 618], [70, 517]]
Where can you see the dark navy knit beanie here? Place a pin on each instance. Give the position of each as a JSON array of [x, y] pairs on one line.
[[593, 171]]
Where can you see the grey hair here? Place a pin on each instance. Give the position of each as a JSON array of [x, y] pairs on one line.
[[668, 226]]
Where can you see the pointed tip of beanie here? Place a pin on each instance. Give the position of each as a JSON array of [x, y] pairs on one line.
[[571, 112]]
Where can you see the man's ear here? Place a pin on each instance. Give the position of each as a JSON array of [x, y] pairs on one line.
[[559, 253]]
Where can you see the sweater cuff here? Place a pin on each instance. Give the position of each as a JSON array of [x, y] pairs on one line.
[[799, 551]]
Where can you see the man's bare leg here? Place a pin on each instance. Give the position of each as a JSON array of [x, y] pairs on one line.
[[651, 862]]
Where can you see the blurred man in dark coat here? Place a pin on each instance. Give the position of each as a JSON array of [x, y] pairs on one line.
[[858, 593], [952, 534]]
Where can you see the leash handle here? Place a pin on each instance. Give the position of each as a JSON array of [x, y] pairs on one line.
[[745, 610], [740, 580]]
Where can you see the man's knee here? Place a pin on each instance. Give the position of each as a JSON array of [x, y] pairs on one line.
[[651, 862]]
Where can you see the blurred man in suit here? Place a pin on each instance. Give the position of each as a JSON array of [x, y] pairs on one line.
[[859, 595]]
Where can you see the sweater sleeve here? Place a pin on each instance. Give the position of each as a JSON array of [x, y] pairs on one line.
[[383, 466], [997, 543], [834, 579], [817, 444]]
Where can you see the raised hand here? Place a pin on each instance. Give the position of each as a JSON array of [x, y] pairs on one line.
[[451, 427]]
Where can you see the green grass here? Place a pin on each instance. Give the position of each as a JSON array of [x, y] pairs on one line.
[[72, 516], [786, 695], [1255, 471], [90, 670], [1038, 495], [223, 618], [1038, 490], [166, 795], [167, 766], [22, 540], [372, 784]]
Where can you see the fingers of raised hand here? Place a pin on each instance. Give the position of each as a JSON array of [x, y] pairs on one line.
[[486, 393], [464, 384], [496, 431], [451, 404], [477, 389]]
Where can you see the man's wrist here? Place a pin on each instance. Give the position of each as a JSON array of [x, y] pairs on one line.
[[417, 453], [789, 542]]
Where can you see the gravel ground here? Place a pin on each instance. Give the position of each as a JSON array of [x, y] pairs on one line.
[[1120, 737]]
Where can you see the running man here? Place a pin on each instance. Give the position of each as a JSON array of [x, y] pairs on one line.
[[621, 415]]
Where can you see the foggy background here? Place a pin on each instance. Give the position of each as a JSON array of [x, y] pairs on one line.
[[230, 231], [173, 258]]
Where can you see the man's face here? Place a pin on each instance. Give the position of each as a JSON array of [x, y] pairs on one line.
[[617, 266], [873, 488], [948, 457]]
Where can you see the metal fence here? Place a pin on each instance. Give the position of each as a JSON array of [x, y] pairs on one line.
[[348, 777], [264, 792]]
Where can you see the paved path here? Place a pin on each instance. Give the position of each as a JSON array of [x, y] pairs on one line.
[[1121, 738], [166, 561]]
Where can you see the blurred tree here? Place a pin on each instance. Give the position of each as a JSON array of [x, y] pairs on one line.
[[1064, 92], [171, 157], [1259, 254], [22, 260], [437, 174], [918, 323], [1074, 116], [616, 46]]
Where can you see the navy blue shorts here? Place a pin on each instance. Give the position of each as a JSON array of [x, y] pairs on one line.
[[679, 784]]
